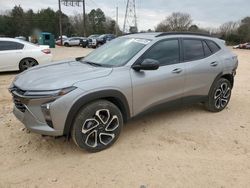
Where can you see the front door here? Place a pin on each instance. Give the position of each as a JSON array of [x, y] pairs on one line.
[[159, 86]]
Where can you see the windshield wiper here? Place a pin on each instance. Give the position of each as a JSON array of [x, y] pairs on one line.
[[93, 64]]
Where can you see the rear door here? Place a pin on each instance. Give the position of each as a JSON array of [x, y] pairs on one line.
[[76, 41], [202, 65], [10, 55], [154, 87]]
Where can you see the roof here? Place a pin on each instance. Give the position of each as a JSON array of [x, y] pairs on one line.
[[153, 35], [8, 39]]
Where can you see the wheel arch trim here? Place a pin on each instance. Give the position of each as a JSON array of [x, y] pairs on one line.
[[113, 96], [222, 75]]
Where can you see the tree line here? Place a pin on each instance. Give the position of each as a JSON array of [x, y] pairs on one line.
[[231, 32], [18, 22]]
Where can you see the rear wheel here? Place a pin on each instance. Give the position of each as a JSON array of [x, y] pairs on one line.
[[66, 44], [219, 96], [97, 126], [27, 63]]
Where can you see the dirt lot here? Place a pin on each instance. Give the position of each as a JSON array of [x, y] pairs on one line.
[[185, 147]]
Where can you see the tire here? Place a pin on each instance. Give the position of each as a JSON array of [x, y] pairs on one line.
[[219, 95], [98, 45], [27, 63], [97, 126], [66, 44]]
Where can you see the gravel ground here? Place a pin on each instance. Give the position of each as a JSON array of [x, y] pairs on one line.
[[184, 147]]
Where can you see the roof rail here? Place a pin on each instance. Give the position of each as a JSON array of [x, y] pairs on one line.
[[183, 33]]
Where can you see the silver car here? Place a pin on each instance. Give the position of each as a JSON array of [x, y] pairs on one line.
[[73, 41], [89, 99]]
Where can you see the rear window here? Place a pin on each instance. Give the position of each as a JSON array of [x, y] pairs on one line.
[[9, 45], [193, 49], [213, 46]]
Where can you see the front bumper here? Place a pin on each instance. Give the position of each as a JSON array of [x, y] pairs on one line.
[[30, 112], [33, 124]]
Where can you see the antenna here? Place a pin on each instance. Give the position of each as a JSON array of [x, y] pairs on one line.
[[130, 21]]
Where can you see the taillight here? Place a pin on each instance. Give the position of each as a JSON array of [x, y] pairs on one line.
[[46, 51]]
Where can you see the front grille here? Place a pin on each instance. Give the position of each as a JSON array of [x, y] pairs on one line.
[[19, 105], [19, 91]]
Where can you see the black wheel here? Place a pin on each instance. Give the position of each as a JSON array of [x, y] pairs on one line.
[[219, 96], [97, 126], [66, 44], [27, 63], [99, 45]]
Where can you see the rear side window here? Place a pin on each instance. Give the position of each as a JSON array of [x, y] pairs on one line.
[[9, 45], [166, 52], [213, 46], [207, 50], [193, 49]]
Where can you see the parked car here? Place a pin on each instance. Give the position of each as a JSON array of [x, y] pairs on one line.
[[91, 42], [84, 42], [103, 39], [58, 41], [21, 38], [20, 55], [243, 46], [91, 98], [72, 41], [248, 46]]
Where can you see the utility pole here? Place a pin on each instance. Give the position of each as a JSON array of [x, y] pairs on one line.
[[60, 21], [116, 29], [130, 21], [84, 19]]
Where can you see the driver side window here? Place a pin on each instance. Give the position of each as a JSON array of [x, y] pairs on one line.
[[166, 52]]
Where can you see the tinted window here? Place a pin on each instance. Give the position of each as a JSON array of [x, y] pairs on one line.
[[8, 45], [166, 52], [206, 49], [47, 37], [213, 46], [193, 49]]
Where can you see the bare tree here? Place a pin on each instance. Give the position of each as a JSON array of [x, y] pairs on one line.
[[229, 28], [177, 21]]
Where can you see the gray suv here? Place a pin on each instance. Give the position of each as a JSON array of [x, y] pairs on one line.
[[90, 98]]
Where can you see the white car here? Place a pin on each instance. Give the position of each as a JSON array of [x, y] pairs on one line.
[[20, 55]]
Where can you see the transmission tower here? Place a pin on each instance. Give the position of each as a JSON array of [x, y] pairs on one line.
[[130, 21]]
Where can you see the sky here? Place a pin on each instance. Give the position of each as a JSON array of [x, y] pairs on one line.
[[204, 13]]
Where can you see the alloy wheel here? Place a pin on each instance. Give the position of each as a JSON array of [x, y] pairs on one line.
[[100, 129], [27, 63], [222, 95]]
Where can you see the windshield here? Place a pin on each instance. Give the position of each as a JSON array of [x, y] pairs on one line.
[[117, 52]]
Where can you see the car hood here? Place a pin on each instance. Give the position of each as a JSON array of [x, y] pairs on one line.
[[58, 75]]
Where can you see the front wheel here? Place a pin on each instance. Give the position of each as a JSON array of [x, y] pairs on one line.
[[97, 126], [219, 96]]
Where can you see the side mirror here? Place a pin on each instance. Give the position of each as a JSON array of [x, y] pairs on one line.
[[147, 64]]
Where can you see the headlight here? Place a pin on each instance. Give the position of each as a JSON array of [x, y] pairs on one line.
[[50, 93]]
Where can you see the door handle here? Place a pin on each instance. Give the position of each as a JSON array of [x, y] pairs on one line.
[[177, 71], [214, 64]]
